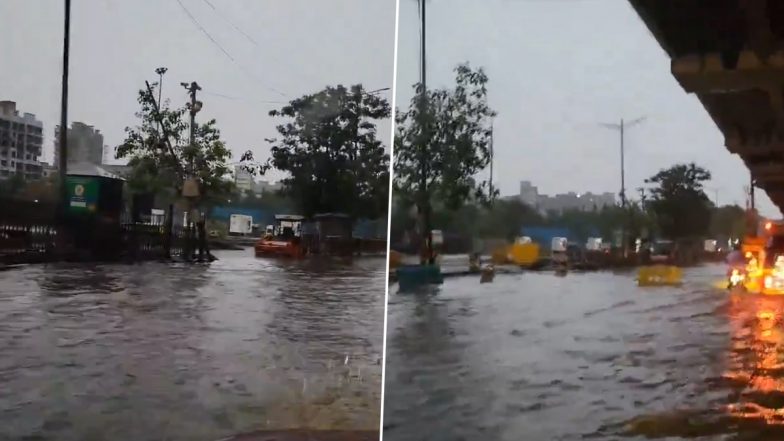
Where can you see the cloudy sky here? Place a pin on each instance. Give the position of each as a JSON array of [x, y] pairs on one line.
[[274, 51], [559, 68]]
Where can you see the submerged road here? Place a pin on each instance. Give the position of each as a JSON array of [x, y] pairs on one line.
[[190, 352], [586, 356]]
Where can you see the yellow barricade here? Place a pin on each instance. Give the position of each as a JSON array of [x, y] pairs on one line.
[[659, 275]]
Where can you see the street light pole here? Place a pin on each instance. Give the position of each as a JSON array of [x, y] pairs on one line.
[[63, 138], [424, 195], [621, 128], [492, 158]]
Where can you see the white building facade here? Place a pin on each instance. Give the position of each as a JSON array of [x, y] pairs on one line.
[[21, 143]]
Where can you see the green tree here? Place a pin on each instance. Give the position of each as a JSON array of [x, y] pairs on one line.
[[505, 218], [161, 156], [330, 149], [681, 208], [443, 140], [728, 221]]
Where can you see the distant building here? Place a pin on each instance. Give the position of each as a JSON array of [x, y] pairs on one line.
[[243, 179], [529, 195], [575, 201], [48, 170], [21, 143], [118, 169], [261, 187], [85, 144]]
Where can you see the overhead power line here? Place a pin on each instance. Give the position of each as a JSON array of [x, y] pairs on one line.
[[204, 31], [236, 28], [225, 52]]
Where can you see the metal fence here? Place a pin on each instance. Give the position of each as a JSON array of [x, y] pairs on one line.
[[30, 233]]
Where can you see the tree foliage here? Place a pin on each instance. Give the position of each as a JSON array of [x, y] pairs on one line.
[[161, 166], [728, 221], [445, 141], [330, 149], [679, 203]]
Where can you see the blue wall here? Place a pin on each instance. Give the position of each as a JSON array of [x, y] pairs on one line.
[[370, 229]]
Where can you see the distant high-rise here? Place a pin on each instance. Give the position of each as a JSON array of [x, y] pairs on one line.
[[85, 144], [21, 142], [243, 179], [529, 194]]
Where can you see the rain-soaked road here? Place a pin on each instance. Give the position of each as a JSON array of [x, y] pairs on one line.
[[586, 356], [158, 351]]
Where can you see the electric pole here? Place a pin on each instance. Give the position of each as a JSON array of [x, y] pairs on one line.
[[194, 106], [620, 127], [424, 140], [193, 191], [492, 157], [63, 144], [160, 71], [715, 196]]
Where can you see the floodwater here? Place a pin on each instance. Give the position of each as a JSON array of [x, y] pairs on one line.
[[158, 351], [536, 356]]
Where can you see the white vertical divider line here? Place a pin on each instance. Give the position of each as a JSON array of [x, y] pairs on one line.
[[389, 219]]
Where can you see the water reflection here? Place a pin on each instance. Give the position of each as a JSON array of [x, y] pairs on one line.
[[591, 356], [196, 352], [755, 364]]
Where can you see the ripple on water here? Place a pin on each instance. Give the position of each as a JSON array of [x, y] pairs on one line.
[[585, 356], [196, 352]]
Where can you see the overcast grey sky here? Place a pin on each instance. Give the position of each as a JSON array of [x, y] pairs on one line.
[[557, 69], [292, 47]]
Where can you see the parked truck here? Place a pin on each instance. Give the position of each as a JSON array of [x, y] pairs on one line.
[[240, 225]]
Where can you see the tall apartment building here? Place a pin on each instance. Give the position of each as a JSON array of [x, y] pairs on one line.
[[21, 143], [243, 179], [85, 144], [529, 193]]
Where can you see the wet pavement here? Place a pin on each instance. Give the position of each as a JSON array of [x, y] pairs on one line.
[[586, 356], [190, 352]]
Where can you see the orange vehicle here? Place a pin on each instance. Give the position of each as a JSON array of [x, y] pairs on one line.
[[285, 240], [765, 259]]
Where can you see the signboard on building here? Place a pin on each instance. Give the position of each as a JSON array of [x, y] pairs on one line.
[[82, 194]]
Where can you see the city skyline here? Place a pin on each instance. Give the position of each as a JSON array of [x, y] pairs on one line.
[[243, 75], [553, 92]]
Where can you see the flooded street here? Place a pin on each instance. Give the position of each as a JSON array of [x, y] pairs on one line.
[[587, 356], [190, 352]]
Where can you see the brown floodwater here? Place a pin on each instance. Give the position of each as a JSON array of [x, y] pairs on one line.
[[191, 352], [536, 356]]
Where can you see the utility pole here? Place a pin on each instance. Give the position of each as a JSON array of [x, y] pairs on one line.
[[621, 127], [63, 144], [492, 157], [160, 71], [194, 107], [425, 171]]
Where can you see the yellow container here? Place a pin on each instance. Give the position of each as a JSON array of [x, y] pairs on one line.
[[659, 275], [523, 254]]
